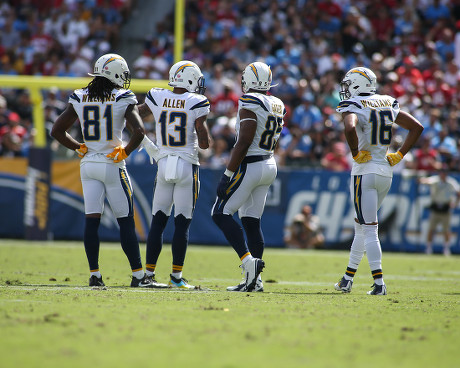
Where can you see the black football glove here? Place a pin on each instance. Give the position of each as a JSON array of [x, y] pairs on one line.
[[222, 186]]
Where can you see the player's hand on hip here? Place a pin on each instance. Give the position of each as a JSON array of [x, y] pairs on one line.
[[223, 186], [394, 158], [118, 154], [362, 157], [82, 151]]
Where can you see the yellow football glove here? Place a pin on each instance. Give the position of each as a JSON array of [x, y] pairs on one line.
[[362, 157], [118, 154], [394, 158], [81, 152]]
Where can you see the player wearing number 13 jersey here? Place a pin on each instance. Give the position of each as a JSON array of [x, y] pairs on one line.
[[180, 120], [101, 109], [368, 118], [250, 172]]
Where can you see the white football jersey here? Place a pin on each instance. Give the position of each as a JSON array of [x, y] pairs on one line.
[[270, 111], [175, 116], [102, 123], [376, 115]]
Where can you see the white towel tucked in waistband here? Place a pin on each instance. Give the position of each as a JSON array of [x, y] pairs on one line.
[[171, 168]]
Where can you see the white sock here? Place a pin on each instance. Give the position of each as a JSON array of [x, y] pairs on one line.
[[177, 275], [97, 274], [372, 244], [357, 248], [149, 273], [249, 257], [138, 274]]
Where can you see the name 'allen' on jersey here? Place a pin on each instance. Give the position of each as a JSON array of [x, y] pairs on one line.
[[172, 103]]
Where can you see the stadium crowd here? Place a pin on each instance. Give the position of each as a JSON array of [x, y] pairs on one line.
[[412, 46]]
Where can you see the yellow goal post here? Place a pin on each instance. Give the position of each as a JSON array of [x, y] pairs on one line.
[[35, 85]]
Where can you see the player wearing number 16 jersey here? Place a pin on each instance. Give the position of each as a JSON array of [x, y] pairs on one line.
[[180, 120], [102, 108], [250, 172], [368, 118]]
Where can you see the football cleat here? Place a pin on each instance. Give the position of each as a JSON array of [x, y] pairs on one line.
[[155, 283], [144, 282], [96, 281], [251, 271], [378, 290], [344, 285], [180, 283], [242, 286]]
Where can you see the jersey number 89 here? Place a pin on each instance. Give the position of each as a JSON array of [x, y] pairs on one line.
[[273, 126]]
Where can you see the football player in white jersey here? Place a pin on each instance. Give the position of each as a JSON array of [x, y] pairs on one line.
[[101, 108], [180, 126], [368, 118], [250, 172]]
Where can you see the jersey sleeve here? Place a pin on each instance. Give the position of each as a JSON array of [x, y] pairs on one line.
[[251, 103], [395, 107], [75, 97], [348, 106], [152, 98], [201, 108], [127, 96]]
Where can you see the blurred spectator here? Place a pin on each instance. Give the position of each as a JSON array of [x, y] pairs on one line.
[[306, 115], [296, 147], [304, 232], [12, 136], [336, 159], [446, 146], [426, 158], [220, 154], [226, 103], [445, 195]]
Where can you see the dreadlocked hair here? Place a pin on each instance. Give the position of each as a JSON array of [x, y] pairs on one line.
[[100, 89]]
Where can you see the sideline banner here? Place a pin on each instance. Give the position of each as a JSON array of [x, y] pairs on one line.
[[403, 218], [37, 193]]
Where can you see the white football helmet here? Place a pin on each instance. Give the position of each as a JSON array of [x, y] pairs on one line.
[[257, 76], [358, 81], [114, 68], [186, 74]]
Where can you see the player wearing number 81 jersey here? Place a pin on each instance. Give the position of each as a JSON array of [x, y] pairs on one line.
[[101, 108], [250, 172]]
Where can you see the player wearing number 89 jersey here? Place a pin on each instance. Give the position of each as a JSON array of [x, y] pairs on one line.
[[250, 172], [368, 119]]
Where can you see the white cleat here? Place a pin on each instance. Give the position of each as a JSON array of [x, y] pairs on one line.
[[242, 286]]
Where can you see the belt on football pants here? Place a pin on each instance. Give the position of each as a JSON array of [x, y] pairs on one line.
[[257, 158]]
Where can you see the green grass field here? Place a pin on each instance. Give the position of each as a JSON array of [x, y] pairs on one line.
[[50, 318]]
